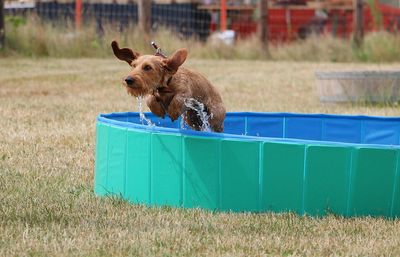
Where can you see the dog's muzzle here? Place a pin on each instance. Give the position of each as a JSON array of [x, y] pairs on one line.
[[130, 82]]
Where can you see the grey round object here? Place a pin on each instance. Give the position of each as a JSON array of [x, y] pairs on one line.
[[359, 86]]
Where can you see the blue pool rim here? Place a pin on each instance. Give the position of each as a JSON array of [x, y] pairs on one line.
[[110, 119]]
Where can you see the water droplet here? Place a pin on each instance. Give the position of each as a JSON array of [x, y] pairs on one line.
[[141, 114]]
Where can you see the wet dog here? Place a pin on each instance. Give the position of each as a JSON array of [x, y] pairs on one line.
[[171, 89]]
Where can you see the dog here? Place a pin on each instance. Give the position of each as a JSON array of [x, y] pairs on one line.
[[170, 88]]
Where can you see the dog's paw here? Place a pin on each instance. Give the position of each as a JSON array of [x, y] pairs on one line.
[[175, 109], [174, 115], [155, 106]]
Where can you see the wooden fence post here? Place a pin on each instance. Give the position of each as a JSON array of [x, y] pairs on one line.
[[78, 14], [358, 22], [223, 16], [145, 17], [263, 23], [2, 26]]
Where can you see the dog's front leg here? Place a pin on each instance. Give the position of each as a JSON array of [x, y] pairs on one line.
[[177, 107], [155, 106]]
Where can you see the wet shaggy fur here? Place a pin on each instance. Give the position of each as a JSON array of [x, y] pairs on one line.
[[167, 86]]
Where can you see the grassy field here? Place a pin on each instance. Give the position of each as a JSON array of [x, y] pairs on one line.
[[31, 37], [47, 205]]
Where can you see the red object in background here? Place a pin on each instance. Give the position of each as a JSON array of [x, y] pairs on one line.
[[283, 23], [390, 18], [78, 13], [223, 15], [286, 24]]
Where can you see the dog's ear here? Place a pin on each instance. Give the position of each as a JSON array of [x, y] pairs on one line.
[[176, 60], [124, 54]]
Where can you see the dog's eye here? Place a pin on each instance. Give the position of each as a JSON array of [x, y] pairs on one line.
[[147, 67]]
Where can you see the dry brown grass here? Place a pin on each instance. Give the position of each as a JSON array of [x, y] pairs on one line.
[[34, 38], [47, 206]]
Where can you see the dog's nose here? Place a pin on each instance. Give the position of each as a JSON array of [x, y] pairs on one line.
[[129, 81]]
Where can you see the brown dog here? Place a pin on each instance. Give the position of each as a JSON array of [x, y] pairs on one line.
[[170, 88]]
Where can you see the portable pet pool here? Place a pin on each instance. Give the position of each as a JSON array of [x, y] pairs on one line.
[[279, 162]]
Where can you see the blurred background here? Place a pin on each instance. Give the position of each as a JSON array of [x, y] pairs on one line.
[[322, 30]]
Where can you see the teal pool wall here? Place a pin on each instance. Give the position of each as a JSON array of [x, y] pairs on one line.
[[265, 165]]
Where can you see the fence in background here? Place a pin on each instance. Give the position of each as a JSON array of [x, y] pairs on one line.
[[2, 34], [185, 19], [285, 20]]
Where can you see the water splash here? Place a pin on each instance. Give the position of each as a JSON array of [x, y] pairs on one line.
[[200, 109], [182, 125], [190, 103], [141, 114]]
